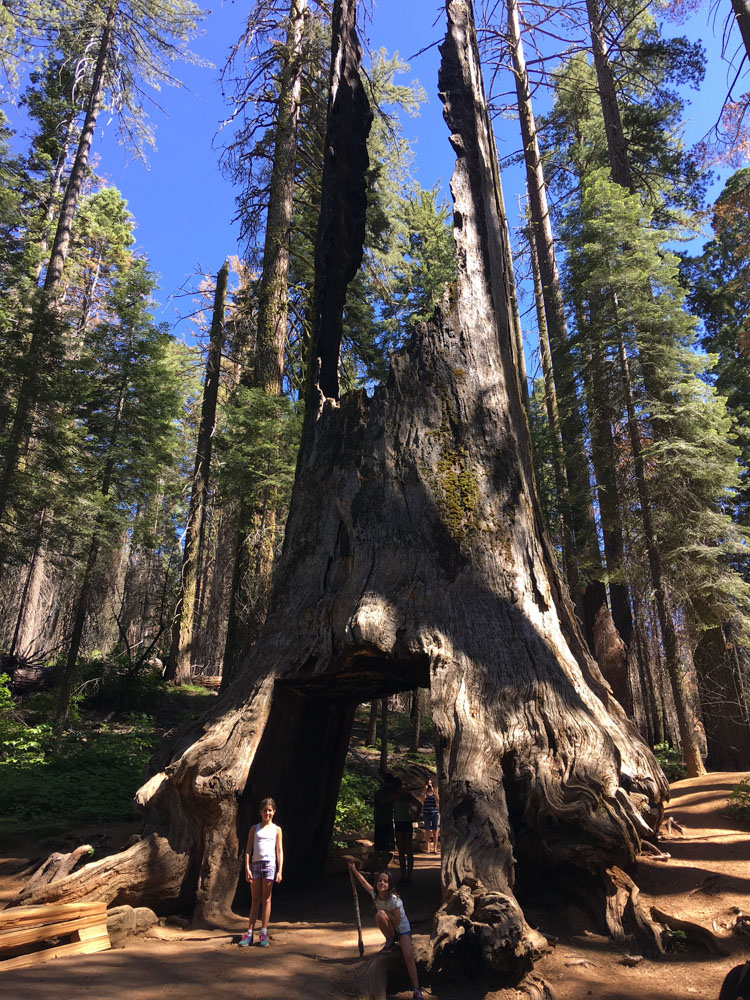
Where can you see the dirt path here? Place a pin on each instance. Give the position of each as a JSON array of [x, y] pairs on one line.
[[314, 950]]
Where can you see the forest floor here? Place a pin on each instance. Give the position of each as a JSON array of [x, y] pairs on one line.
[[313, 951]]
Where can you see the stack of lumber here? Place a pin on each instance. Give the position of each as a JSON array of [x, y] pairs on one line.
[[33, 934]]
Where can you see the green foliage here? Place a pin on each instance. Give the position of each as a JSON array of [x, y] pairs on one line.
[[6, 699], [90, 776], [409, 250], [719, 290], [671, 761], [119, 685], [626, 284], [738, 805], [258, 445], [354, 806]]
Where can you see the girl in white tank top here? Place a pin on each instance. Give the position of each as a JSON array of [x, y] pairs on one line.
[[264, 860]]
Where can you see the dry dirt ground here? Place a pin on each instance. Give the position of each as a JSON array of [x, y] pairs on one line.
[[313, 953]]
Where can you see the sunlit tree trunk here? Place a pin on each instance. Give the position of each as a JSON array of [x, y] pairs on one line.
[[553, 417], [741, 10], [585, 569]]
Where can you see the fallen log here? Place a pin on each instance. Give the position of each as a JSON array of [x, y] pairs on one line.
[[55, 867]]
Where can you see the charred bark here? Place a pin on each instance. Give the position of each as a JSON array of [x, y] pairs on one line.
[[725, 710], [414, 557], [182, 651]]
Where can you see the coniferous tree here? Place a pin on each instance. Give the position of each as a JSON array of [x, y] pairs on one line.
[[125, 421]]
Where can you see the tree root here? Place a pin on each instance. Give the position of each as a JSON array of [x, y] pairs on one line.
[[652, 853], [536, 988], [475, 925], [694, 933], [670, 828], [626, 918]]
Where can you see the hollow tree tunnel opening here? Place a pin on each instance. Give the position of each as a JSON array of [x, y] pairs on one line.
[[300, 759]]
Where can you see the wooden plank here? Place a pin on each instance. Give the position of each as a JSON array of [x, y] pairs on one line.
[[48, 913], [58, 951], [16, 938], [88, 933]]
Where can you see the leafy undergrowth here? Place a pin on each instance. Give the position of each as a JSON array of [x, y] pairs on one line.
[[90, 773], [671, 762], [738, 805], [354, 809]]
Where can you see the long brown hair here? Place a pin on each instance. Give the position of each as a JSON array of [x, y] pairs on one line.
[[391, 885]]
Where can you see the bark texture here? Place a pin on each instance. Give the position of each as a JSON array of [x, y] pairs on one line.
[[581, 549], [723, 700], [258, 518], [182, 653], [414, 557]]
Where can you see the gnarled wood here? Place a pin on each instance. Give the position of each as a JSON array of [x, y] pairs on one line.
[[414, 557], [694, 933], [626, 918]]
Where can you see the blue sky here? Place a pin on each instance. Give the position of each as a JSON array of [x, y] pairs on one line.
[[184, 207]]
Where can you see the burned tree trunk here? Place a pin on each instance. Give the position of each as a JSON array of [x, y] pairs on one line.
[[182, 652], [414, 557]]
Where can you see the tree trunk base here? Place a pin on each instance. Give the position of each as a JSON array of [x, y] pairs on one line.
[[627, 920], [379, 975], [476, 926]]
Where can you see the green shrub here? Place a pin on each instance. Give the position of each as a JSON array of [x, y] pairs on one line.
[[738, 805], [6, 698], [85, 777], [120, 686], [354, 807], [671, 761]]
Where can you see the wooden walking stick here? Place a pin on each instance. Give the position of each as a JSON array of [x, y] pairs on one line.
[[357, 917]]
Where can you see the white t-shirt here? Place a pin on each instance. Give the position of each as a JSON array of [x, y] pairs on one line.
[[264, 843], [390, 904]]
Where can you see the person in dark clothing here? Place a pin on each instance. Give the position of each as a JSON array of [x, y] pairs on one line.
[[736, 986], [430, 818], [383, 814]]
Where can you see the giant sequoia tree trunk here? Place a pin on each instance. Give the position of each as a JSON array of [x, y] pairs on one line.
[[413, 557]]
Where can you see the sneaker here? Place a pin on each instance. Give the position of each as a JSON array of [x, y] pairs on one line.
[[417, 995], [263, 940], [389, 945], [246, 940]]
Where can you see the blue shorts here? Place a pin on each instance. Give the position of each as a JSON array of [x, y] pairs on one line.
[[263, 869], [430, 820]]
